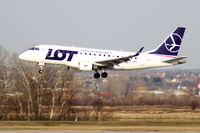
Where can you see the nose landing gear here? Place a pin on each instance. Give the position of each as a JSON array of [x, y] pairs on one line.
[[41, 65], [41, 71]]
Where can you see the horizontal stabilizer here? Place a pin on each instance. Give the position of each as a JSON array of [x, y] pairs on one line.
[[179, 60]]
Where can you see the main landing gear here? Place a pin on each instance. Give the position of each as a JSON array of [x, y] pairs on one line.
[[103, 75]]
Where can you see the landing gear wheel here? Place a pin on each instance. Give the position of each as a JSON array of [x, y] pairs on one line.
[[104, 74], [41, 67], [96, 75], [40, 71]]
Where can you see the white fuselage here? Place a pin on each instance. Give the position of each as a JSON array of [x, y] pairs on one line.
[[73, 56]]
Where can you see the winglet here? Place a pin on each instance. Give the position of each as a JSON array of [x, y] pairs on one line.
[[138, 53]]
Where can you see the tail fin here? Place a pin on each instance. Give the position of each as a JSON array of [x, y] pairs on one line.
[[172, 44]]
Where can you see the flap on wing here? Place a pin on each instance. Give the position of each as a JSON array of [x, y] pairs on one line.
[[112, 62], [178, 60]]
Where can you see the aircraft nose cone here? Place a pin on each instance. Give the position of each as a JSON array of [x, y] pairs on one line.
[[21, 56]]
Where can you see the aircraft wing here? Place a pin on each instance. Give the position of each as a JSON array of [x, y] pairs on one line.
[[178, 60], [117, 61]]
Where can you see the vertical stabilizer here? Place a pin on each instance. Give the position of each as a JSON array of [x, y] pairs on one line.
[[172, 44]]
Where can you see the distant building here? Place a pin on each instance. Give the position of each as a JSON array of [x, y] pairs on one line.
[[148, 92], [174, 92], [198, 83]]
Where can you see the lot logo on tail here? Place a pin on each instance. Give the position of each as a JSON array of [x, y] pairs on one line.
[[172, 44]]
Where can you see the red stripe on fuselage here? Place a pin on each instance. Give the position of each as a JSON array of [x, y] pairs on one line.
[[165, 56]]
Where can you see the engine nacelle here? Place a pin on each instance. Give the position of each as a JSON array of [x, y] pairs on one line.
[[85, 66]]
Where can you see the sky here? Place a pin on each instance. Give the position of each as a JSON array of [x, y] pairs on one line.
[[104, 24]]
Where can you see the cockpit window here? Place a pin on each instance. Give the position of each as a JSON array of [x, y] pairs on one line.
[[37, 49], [31, 48], [34, 48]]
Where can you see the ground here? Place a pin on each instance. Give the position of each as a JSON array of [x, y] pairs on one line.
[[125, 118]]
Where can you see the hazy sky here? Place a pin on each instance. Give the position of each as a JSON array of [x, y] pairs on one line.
[[104, 24]]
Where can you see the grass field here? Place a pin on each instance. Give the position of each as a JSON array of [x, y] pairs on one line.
[[126, 118]]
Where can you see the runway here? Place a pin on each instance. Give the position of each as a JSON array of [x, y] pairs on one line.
[[69, 131]]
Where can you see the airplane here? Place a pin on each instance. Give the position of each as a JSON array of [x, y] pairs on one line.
[[86, 59]]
